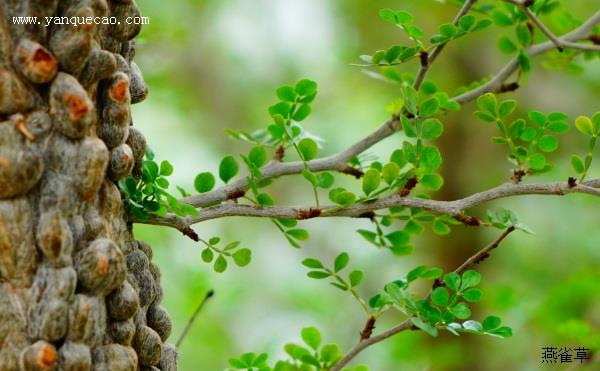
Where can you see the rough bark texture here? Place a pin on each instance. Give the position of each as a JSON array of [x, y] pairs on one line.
[[77, 291]]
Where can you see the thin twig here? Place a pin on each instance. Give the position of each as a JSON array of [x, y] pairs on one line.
[[483, 253], [407, 324], [534, 18], [208, 295], [438, 49], [578, 34]]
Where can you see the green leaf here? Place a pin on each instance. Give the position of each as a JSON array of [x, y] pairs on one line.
[[207, 255], [410, 99], [482, 25], [440, 227], [228, 168], [440, 296], [488, 103], [429, 107], [524, 62], [162, 182], [399, 158], [408, 127], [318, 275], [537, 161], [471, 295], [264, 199], [204, 182], [548, 143], [166, 168], [448, 30], [523, 35], [344, 198], [325, 180], [432, 182], [390, 172], [460, 310], [280, 109], [506, 45], [466, 22], [501, 19], [424, 326], [310, 176], [528, 134], [312, 263], [299, 234], [516, 128], [392, 16], [287, 93], [242, 257], [585, 125], [371, 181], [470, 278], [258, 156], [491, 323], [537, 117], [302, 112], [503, 332], [220, 264], [398, 238], [452, 280], [341, 261], [431, 158], [506, 108], [306, 87], [355, 278], [330, 353], [402, 250], [577, 164], [432, 129], [150, 170], [308, 149], [311, 337]]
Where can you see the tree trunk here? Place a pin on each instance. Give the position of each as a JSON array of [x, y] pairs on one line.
[[77, 291]]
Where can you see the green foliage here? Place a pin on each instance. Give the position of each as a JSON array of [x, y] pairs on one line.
[[591, 129], [149, 195], [528, 141], [343, 282], [212, 253]]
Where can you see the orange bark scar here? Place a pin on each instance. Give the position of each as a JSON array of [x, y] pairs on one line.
[[47, 356], [119, 91], [77, 106], [103, 265]]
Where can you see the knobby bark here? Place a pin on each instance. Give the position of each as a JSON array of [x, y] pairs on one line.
[[77, 291]]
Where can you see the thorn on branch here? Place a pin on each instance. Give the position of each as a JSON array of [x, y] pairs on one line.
[[368, 330], [518, 176], [308, 213], [595, 39], [357, 173], [572, 182], [235, 194], [467, 219], [505, 88], [188, 231], [410, 184], [424, 57], [368, 214], [528, 3], [279, 154]]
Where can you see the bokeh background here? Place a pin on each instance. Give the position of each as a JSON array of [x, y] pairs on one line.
[[214, 64]]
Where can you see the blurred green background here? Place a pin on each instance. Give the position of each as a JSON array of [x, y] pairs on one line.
[[214, 64]]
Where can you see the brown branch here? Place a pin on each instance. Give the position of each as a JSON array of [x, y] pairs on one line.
[[483, 253]]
